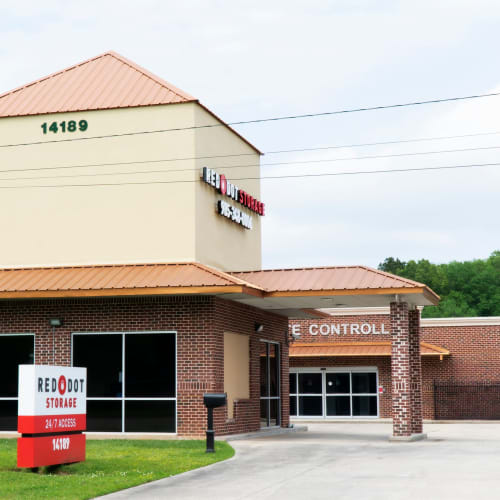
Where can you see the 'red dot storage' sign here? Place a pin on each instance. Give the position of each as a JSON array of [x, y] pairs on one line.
[[51, 415]]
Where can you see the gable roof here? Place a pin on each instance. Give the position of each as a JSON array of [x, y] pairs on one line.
[[107, 81]]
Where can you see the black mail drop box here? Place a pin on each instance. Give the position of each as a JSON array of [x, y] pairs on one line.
[[214, 399]]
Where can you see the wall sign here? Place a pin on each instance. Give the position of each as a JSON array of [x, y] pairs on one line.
[[70, 126], [52, 401], [341, 329], [226, 188]]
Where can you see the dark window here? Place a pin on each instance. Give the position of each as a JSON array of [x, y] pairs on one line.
[[149, 371], [15, 350], [337, 406], [363, 383], [8, 415], [293, 383], [102, 356], [104, 416], [310, 383], [150, 365], [365, 406], [293, 406], [338, 383], [311, 406], [150, 416]]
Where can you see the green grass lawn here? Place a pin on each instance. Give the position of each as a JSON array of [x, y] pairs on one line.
[[111, 465]]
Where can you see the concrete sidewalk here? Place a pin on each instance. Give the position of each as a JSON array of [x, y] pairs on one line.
[[347, 461]]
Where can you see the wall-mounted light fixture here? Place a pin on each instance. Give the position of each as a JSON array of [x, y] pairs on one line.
[[259, 327], [287, 338], [54, 323]]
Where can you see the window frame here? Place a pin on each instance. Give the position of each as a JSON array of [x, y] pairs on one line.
[[124, 398], [324, 394], [18, 334], [268, 398]]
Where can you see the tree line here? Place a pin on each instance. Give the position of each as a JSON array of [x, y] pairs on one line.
[[470, 288]]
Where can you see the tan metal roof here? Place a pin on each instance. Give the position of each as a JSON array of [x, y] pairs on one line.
[[302, 350], [319, 279], [117, 280], [103, 82], [287, 297]]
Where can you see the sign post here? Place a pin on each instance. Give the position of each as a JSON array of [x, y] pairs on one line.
[[51, 415]]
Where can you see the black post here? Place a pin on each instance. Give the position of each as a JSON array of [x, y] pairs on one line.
[[210, 431], [211, 401]]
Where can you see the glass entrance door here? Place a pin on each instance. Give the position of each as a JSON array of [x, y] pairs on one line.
[[270, 408], [334, 394]]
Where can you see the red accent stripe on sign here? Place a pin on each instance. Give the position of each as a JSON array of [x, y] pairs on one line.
[[43, 424], [50, 450]]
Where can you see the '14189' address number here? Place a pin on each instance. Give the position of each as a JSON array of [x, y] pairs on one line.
[[65, 126]]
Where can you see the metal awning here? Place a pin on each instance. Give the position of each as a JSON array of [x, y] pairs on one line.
[[341, 349]]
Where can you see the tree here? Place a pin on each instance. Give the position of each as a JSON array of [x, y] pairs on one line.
[[470, 288]]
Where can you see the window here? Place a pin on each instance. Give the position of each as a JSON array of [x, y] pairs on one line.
[[15, 350], [131, 380]]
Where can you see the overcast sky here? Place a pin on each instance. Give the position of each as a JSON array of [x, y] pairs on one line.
[[255, 59]]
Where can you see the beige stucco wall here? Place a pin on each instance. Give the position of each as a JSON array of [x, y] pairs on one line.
[[162, 222], [99, 224], [236, 369], [219, 241]]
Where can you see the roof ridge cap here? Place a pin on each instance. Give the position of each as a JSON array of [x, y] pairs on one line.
[[152, 76], [225, 275], [299, 269]]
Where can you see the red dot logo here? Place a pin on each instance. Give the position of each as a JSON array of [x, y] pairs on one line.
[[61, 385], [223, 184]]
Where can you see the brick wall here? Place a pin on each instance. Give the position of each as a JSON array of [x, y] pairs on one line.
[[475, 357], [200, 323]]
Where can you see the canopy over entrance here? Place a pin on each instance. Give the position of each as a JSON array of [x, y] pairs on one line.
[[288, 292]]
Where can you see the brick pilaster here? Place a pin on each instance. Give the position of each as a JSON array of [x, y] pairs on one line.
[[415, 372], [400, 366]]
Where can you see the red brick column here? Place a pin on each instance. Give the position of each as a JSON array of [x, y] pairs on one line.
[[400, 366], [415, 372]]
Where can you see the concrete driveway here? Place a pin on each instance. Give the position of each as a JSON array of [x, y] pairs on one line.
[[347, 461]]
